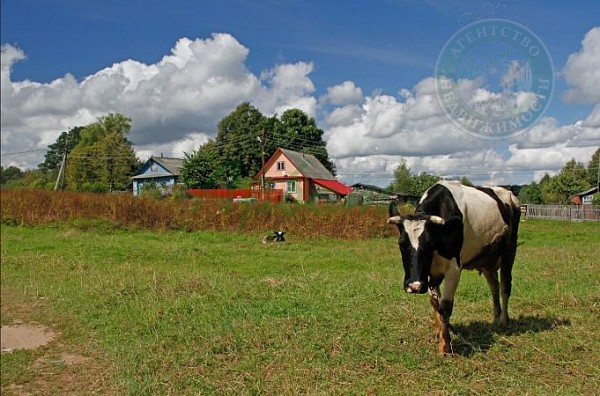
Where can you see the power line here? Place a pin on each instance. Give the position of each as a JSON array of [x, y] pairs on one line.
[[23, 152]]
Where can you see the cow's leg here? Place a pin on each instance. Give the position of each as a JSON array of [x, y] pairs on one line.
[[508, 258], [492, 280], [434, 299], [442, 332], [505, 289], [445, 306]]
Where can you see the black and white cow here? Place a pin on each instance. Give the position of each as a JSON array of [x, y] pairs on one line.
[[278, 236], [457, 227]]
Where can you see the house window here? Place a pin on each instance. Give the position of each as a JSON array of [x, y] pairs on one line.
[[280, 165], [291, 186]]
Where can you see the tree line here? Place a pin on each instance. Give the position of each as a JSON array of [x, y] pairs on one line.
[[573, 178], [96, 158], [100, 158], [415, 184]]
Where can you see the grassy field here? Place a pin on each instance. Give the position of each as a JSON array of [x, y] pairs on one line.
[[220, 313]]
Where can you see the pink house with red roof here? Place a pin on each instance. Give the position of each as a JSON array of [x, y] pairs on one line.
[[301, 177]]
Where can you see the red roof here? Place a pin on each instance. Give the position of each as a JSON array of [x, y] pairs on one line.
[[334, 185]]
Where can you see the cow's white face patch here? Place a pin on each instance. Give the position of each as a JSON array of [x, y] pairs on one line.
[[414, 229]]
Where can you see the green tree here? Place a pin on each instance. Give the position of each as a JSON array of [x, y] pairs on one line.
[[546, 188], [570, 180], [299, 132], [14, 177], [118, 162], [422, 182], [238, 144], [402, 178], [35, 178], [66, 142], [531, 194], [465, 181], [593, 171], [104, 159], [406, 182], [200, 168], [9, 174]]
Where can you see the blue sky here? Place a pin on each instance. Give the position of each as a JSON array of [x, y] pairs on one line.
[[373, 54]]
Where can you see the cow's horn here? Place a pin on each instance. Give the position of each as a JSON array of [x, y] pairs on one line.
[[394, 220], [437, 220]]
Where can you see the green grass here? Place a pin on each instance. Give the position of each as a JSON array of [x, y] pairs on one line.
[[205, 313]]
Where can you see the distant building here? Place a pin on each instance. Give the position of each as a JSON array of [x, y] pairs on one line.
[[585, 197], [584, 200], [161, 171], [301, 177], [377, 195]]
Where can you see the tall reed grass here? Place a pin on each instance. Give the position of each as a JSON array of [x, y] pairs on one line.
[[41, 207]]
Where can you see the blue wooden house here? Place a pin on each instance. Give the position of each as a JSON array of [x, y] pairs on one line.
[[161, 171]]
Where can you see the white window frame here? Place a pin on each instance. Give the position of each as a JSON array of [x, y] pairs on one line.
[[291, 186], [280, 165]]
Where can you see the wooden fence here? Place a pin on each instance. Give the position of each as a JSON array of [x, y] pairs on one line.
[[561, 212]]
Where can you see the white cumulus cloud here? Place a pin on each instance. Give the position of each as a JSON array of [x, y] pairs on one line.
[[176, 102], [582, 70], [344, 93]]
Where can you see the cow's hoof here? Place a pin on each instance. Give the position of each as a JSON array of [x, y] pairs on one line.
[[445, 348]]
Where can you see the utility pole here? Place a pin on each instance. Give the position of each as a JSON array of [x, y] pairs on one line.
[[262, 141], [61, 173]]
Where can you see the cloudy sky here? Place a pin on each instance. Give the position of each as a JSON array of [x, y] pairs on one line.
[[364, 69]]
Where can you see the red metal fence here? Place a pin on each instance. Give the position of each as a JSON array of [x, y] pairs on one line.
[[273, 196]]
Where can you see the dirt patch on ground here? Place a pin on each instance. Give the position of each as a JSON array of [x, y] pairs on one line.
[[23, 336], [46, 361]]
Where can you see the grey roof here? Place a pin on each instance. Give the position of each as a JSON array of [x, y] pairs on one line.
[[370, 187], [589, 191], [308, 164], [156, 176], [380, 190], [173, 165]]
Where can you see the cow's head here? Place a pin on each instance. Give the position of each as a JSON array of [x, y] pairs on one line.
[[420, 236]]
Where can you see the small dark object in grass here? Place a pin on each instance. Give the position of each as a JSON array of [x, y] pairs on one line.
[[277, 237]]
